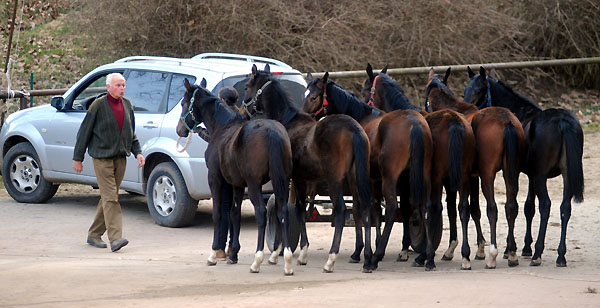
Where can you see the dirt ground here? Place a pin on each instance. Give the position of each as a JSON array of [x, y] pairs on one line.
[[44, 261]]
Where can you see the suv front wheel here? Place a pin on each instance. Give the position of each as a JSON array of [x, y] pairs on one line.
[[22, 175], [169, 202]]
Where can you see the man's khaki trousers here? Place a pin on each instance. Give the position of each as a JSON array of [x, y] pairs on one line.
[[109, 172]]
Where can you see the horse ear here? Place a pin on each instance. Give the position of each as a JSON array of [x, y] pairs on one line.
[[384, 70], [431, 73], [309, 77], [370, 71], [267, 68], [203, 82], [254, 69], [447, 75], [471, 74], [482, 74], [187, 85], [325, 77]]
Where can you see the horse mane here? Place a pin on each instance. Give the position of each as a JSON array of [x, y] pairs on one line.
[[222, 115], [347, 102], [276, 93], [520, 97], [395, 95]]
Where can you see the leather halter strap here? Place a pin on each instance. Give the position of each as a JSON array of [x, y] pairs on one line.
[[371, 101], [251, 105], [324, 106]]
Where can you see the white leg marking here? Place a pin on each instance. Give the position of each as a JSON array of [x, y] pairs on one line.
[[466, 264], [303, 257], [330, 263], [258, 258], [275, 255], [493, 255], [212, 258], [480, 251], [403, 257], [287, 257], [449, 254]]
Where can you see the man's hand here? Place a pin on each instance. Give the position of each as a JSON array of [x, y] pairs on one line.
[[141, 160], [77, 166]]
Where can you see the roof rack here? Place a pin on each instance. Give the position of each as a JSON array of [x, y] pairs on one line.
[[231, 56], [152, 58]]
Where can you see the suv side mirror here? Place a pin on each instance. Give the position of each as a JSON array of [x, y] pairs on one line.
[[58, 102]]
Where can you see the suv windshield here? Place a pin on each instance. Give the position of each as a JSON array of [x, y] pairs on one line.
[[292, 84]]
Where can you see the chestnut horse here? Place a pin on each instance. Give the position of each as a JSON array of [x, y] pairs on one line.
[[400, 142], [500, 143], [333, 150], [242, 154], [554, 147]]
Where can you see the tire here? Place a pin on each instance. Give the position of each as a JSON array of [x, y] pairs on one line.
[[417, 234], [294, 228], [23, 175], [169, 202]]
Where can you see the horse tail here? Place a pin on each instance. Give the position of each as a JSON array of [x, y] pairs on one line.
[[573, 146], [456, 134], [417, 154], [361, 148], [511, 153], [280, 164]]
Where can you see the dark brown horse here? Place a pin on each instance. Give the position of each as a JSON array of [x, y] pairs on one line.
[[454, 152], [242, 154], [333, 150], [500, 143], [400, 142], [555, 147]]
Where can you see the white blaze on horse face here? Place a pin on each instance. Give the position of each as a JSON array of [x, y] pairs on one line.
[[306, 93], [258, 258]]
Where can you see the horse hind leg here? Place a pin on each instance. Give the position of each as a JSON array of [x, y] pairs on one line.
[[359, 243], [260, 212], [236, 210], [565, 215], [529, 211], [298, 197], [451, 208], [541, 191], [337, 197], [476, 215]]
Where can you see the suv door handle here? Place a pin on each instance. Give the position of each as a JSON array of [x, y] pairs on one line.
[[150, 124]]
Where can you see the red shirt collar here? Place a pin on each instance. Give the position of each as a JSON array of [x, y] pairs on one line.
[[113, 100]]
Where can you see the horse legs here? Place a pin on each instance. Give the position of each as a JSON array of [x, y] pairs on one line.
[[487, 187], [391, 206], [451, 208], [260, 213], [464, 210], [406, 210], [565, 215], [541, 191], [216, 190], [359, 243], [298, 196], [529, 210], [236, 210], [512, 209], [476, 215], [339, 206]]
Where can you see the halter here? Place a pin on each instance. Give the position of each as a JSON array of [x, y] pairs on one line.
[[252, 103], [324, 105], [371, 101], [488, 95], [435, 82], [189, 112]]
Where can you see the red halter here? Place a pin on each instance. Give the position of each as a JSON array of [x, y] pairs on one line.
[[325, 104], [371, 101]]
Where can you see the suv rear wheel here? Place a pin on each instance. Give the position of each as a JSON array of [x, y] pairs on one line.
[[22, 175], [169, 202]]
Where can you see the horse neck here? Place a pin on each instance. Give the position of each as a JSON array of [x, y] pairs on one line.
[[394, 99], [341, 102], [218, 116], [278, 106], [442, 100], [502, 96]]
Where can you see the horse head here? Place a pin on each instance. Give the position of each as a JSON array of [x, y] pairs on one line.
[[437, 80], [477, 91], [368, 91], [315, 101], [190, 118], [255, 86]]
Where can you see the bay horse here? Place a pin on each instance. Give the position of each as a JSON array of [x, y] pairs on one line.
[[333, 150], [400, 142], [555, 147], [500, 143], [242, 154], [454, 152]]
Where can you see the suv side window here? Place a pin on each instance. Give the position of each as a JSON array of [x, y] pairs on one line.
[[177, 89], [146, 90], [94, 89]]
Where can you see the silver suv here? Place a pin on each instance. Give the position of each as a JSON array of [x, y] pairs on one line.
[[37, 143]]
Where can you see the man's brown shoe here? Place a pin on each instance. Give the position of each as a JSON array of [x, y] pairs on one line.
[[96, 242], [118, 244]]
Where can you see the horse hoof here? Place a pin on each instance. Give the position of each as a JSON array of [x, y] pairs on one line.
[[417, 264], [513, 263], [367, 270], [465, 268], [288, 274], [561, 264], [210, 263], [505, 256], [327, 271], [402, 258], [352, 260], [490, 267], [272, 263], [445, 258], [229, 261], [302, 263], [526, 254], [429, 268], [536, 262], [479, 257]]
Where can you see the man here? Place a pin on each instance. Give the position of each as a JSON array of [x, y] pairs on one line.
[[108, 134]]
